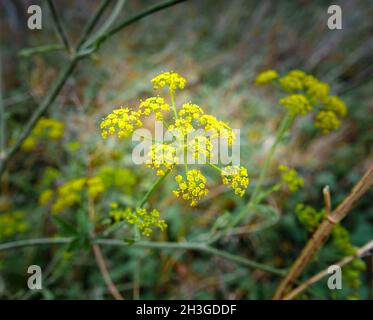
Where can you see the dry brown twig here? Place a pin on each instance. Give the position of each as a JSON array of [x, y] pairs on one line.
[[323, 232], [361, 252], [100, 259]]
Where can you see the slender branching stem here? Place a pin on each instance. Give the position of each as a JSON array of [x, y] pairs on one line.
[[284, 126], [2, 112], [59, 27], [148, 11], [152, 189], [27, 52], [214, 166], [92, 23], [60, 81], [151, 245]]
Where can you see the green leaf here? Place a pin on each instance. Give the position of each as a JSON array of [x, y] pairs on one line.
[[84, 225], [64, 227]]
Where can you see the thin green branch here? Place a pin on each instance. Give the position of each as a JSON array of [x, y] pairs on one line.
[[134, 18], [27, 52], [60, 81], [2, 111], [284, 126], [256, 195], [51, 95], [58, 23], [92, 23], [151, 245], [108, 23], [152, 189]]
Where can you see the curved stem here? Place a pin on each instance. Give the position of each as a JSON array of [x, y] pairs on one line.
[[58, 23], [92, 23], [285, 124], [58, 84], [153, 188], [173, 104], [150, 244]]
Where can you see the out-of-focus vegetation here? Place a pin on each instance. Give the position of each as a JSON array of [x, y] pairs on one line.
[[219, 46]]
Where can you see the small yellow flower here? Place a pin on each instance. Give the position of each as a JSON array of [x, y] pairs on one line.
[[154, 105], [327, 121], [291, 82], [335, 104], [28, 144], [192, 189], [12, 223], [318, 91], [162, 157], [141, 218], [122, 121], [45, 196], [217, 128], [291, 178], [296, 104], [171, 79], [266, 77], [237, 177], [95, 186]]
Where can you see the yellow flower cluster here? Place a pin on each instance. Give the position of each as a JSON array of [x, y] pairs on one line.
[[236, 177], [327, 121], [190, 119], [201, 148], [12, 223], [296, 104], [117, 177], [293, 81], [70, 193], [266, 77], [171, 79], [95, 186], [335, 104], [308, 94], [291, 178], [162, 157], [217, 128], [154, 104], [187, 120], [45, 128], [141, 218], [308, 216], [122, 121], [193, 188]]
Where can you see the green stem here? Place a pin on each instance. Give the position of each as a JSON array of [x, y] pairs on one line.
[[58, 23], [107, 24], [150, 244], [284, 126], [27, 52], [214, 166], [58, 84], [266, 193], [2, 112], [51, 95], [136, 17], [173, 104], [152, 189], [92, 23]]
